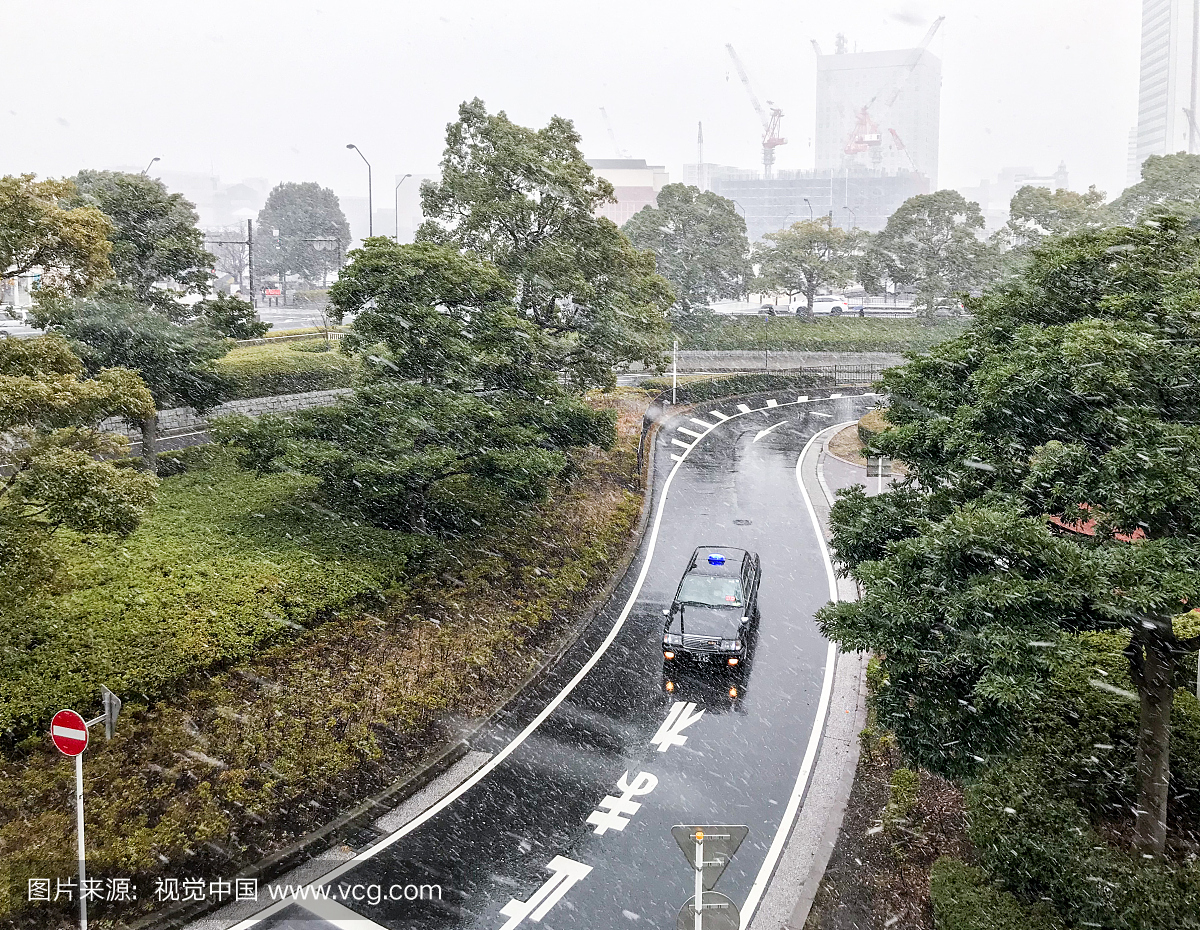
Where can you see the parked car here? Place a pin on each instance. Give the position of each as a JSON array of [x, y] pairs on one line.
[[714, 607]]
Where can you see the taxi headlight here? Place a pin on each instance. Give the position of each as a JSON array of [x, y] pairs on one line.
[[672, 639], [731, 645]]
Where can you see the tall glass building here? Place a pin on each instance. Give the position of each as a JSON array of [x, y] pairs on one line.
[[1167, 118]]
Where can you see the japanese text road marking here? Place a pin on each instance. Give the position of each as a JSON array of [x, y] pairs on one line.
[[679, 719], [615, 813]]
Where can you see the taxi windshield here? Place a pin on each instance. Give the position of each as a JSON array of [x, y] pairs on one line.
[[711, 591]]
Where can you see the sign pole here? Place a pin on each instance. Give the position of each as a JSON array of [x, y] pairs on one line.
[[83, 921], [674, 370], [879, 486], [699, 885]]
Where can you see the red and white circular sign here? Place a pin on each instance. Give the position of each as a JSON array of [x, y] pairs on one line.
[[69, 732]]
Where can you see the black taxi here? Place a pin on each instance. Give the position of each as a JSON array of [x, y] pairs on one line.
[[714, 607]]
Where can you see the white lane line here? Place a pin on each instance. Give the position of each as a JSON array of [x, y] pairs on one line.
[[743, 408], [688, 432], [339, 915], [814, 738], [828, 416], [702, 424], [681, 443], [772, 402], [384, 842], [720, 416], [762, 432]]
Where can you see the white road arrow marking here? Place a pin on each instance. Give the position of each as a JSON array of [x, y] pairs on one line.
[[762, 432], [614, 813], [566, 873], [679, 719]]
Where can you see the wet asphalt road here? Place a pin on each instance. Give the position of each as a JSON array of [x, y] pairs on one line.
[[492, 848]]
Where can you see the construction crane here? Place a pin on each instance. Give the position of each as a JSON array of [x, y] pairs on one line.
[[915, 59], [770, 137], [612, 136]]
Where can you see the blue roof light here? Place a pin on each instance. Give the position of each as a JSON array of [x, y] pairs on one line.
[[716, 558]]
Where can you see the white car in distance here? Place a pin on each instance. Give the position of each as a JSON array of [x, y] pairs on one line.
[[830, 304]]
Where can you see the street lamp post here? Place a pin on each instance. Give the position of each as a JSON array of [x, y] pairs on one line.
[[397, 205], [853, 217], [370, 208], [322, 244], [151, 165], [810, 213]]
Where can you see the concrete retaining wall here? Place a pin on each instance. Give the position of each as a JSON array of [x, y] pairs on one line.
[[185, 420]]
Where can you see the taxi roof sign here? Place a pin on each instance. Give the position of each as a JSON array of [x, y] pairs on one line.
[[715, 558]]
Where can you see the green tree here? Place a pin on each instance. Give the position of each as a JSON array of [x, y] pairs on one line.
[[39, 229], [699, 245], [525, 200], [931, 243], [154, 238], [1166, 179], [1071, 398], [232, 317], [174, 361], [55, 477], [808, 256], [1036, 213], [300, 211], [458, 416]]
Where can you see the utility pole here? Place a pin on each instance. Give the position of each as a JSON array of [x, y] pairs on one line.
[[249, 244], [700, 157]]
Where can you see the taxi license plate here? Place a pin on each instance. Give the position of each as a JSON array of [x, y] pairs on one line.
[[703, 658]]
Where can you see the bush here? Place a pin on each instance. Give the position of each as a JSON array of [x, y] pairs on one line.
[[963, 899], [871, 425], [286, 368], [903, 791], [225, 563], [691, 392], [1038, 842], [821, 335]]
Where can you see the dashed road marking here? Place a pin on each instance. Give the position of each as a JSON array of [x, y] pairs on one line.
[[681, 444], [834, 396], [702, 423], [743, 408], [688, 432], [720, 416], [803, 398], [677, 458], [772, 403]]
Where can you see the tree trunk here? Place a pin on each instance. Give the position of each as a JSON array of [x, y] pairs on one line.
[[150, 444], [1152, 669], [810, 294]]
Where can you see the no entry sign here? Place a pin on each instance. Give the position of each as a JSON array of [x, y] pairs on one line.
[[69, 732]]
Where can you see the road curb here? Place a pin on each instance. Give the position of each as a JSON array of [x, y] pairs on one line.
[[797, 876]]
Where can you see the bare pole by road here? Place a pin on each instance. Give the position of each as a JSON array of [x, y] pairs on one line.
[[397, 206]]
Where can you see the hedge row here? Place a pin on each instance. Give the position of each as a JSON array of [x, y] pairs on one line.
[[226, 562], [846, 334], [694, 391], [287, 368]]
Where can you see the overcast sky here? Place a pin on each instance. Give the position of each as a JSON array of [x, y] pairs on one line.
[[276, 88]]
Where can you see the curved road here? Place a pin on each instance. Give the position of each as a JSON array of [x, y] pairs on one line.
[[513, 847]]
